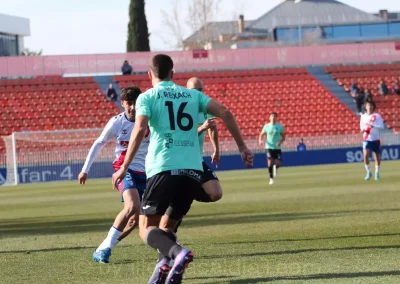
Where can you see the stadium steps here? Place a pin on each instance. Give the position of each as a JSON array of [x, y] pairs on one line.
[[338, 91], [104, 81]]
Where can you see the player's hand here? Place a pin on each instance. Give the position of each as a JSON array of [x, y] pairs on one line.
[[279, 144], [247, 157], [82, 178], [209, 123], [260, 142], [117, 177], [215, 158]]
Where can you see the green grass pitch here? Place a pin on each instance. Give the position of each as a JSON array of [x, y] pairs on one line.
[[315, 225]]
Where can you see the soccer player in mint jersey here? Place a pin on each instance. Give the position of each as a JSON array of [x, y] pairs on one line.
[[370, 124], [210, 190], [173, 164], [119, 128], [275, 136]]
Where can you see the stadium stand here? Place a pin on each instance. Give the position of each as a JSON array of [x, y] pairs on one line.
[[304, 106], [51, 103], [368, 77]]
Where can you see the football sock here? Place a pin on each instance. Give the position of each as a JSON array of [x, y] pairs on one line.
[[271, 171], [368, 168], [111, 240], [162, 242], [173, 237], [377, 168], [177, 226]]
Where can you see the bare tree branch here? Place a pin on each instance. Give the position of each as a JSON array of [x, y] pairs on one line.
[[200, 13], [171, 21]]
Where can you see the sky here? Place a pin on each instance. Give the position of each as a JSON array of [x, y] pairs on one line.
[[98, 27]]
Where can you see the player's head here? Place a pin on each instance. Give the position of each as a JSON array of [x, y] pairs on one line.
[[195, 83], [161, 68], [129, 96], [273, 117], [370, 106]]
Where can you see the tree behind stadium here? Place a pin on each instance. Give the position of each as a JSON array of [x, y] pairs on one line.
[[138, 33]]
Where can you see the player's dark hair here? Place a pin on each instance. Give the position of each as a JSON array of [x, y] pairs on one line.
[[274, 113], [130, 93], [370, 101], [161, 65]]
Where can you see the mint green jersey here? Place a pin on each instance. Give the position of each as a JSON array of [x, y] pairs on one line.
[[173, 113], [273, 132], [202, 118]]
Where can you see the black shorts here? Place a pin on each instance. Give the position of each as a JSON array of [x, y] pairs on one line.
[[172, 189], [275, 154], [208, 174]]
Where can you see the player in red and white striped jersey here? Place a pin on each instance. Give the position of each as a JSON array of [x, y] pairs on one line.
[[120, 127], [371, 123]]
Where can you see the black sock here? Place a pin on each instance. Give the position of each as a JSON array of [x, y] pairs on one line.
[[162, 242], [271, 171], [178, 224], [172, 237], [202, 196]]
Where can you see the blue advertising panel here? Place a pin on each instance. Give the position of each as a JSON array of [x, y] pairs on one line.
[[65, 172]]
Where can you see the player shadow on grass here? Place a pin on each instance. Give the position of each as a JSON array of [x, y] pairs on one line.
[[285, 252], [322, 276], [36, 226], [307, 239], [46, 250], [93, 225], [268, 217]]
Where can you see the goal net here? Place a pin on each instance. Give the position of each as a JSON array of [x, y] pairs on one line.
[[53, 156]]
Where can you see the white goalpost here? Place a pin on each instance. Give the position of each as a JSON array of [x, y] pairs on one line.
[[53, 156]]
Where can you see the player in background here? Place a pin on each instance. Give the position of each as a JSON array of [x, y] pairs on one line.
[[275, 136], [173, 164], [370, 124], [120, 128], [211, 190]]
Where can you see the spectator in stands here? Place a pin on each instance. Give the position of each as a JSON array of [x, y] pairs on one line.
[[396, 87], [126, 68], [383, 89], [354, 90], [111, 94], [301, 147], [359, 100], [367, 96]]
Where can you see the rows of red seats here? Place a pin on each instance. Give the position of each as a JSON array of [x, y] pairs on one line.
[[51, 103], [305, 107], [368, 77]]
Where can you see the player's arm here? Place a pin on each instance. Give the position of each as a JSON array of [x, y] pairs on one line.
[[213, 134], [283, 137], [108, 134], [208, 124], [261, 137], [216, 109], [362, 125]]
